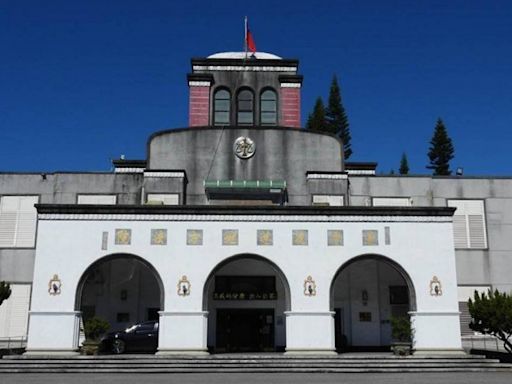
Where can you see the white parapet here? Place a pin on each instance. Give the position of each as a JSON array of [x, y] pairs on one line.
[[183, 333], [309, 332]]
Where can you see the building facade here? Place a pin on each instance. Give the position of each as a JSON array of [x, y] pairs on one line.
[[244, 232]]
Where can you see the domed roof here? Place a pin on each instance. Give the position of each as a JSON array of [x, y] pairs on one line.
[[243, 55]]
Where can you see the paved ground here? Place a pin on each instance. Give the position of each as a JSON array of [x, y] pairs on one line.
[[281, 378]]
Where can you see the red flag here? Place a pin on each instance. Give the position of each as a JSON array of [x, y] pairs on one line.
[[249, 41]]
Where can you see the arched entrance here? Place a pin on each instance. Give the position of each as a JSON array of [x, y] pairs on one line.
[[122, 289], [365, 293], [246, 297]]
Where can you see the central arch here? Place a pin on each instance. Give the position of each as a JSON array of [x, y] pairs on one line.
[[246, 296], [365, 293]]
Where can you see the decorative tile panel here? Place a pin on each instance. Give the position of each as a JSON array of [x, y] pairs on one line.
[[54, 285], [299, 237], [334, 237], [370, 237], [265, 237], [435, 287], [158, 236], [184, 286], [309, 287], [123, 236], [230, 237], [104, 241], [387, 235], [194, 237]]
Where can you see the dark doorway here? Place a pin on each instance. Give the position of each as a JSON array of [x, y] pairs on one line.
[[245, 330]]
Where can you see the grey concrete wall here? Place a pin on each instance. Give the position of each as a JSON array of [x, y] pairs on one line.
[[281, 154], [492, 266], [17, 265]]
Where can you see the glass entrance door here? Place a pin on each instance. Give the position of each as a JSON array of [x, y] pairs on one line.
[[245, 330]]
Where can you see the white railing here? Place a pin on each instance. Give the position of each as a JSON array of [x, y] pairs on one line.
[[12, 343], [483, 342]]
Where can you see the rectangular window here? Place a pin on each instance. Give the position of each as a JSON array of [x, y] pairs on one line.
[[469, 229], [391, 202], [18, 219], [97, 199], [332, 200], [163, 198], [14, 312]]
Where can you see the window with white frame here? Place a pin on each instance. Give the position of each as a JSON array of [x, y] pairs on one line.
[[332, 200], [163, 198], [391, 202], [18, 219], [97, 199], [469, 229]]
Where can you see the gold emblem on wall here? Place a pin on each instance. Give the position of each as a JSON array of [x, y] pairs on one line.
[[54, 285], [194, 237], [230, 237], [309, 286], [370, 237], [299, 237], [159, 237], [123, 236], [265, 237], [435, 287], [183, 286], [334, 237]]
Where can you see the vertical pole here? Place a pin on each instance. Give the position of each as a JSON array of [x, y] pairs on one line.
[[245, 37]]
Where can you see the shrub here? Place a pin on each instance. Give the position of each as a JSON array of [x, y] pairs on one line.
[[95, 327]]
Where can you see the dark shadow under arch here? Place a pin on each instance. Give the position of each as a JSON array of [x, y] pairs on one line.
[[81, 282], [275, 267], [392, 263]]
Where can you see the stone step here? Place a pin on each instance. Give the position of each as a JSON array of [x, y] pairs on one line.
[[248, 363], [261, 370]]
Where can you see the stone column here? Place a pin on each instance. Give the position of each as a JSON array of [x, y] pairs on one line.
[[436, 332], [53, 333], [183, 333], [310, 332]]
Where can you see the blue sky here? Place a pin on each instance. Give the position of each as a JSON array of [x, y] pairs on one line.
[[82, 82]]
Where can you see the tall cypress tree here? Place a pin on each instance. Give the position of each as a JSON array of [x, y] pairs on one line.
[[441, 151], [316, 119], [336, 117], [404, 165]]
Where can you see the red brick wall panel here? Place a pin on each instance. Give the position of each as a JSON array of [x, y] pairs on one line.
[[199, 106]]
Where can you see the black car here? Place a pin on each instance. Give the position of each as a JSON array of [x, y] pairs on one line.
[[141, 337]]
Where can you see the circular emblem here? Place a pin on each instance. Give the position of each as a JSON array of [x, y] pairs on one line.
[[244, 147]]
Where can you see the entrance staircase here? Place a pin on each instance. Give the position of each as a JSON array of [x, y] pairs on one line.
[[270, 363]]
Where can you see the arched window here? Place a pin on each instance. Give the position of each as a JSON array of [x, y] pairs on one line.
[[221, 107], [245, 107], [268, 107]]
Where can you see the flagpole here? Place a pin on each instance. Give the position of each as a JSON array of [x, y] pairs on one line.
[[245, 39]]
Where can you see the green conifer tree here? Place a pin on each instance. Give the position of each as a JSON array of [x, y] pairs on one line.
[[316, 119], [404, 165], [441, 151], [5, 291], [336, 117]]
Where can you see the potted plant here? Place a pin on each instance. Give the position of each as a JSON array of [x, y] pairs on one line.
[[401, 332], [94, 328]]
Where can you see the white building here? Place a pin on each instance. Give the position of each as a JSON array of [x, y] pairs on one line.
[[244, 233]]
